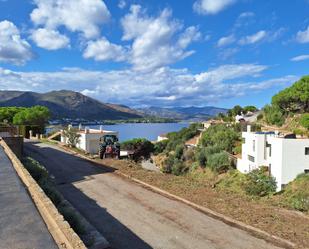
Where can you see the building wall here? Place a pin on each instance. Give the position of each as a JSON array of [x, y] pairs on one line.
[[294, 160], [286, 161]]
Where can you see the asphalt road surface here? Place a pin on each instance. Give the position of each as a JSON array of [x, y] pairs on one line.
[[21, 225], [130, 216]]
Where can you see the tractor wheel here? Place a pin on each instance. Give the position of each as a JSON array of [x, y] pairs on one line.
[[102, 153]]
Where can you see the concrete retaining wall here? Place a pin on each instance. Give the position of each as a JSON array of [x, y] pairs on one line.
[[60, 229]]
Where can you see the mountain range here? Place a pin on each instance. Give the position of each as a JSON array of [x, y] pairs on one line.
[[74, 105], [183, 113]]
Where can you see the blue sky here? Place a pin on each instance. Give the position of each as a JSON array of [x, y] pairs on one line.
[[155, 52]]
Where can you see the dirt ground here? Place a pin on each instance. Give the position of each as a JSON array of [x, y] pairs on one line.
[[287, 224]]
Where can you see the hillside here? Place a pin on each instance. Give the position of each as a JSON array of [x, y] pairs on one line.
[[68, 104], [183, 113]]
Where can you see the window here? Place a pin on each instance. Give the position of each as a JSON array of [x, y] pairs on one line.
[[243, 140], [307, 151], [251, 158], [306, 171], [253, 145]]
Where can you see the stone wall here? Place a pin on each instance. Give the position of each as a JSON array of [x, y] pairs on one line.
[[16, 144]]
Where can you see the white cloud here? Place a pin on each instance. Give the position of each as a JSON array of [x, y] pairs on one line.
[[211, 7], [301, 57], [166, 85], [103, 50], [303, 36], [13, 49], [246, 14], [156, 41], [122, 4], [76, 15], [224, 41], [251, 39], [49, 39]]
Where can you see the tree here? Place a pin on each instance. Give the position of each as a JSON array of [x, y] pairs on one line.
[[304, 121], [294, 98], [7, 113], [249, 108], [37, 115], [221, 137], [72, 136]]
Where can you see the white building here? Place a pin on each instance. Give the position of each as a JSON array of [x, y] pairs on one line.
[[90, 138], [285, 157], [162, 137]]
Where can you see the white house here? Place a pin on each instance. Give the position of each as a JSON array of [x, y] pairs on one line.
[[162, 137], [285, 157], [90, 138]]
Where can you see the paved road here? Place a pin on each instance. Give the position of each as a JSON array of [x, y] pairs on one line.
[[132, 217], [21, 225]]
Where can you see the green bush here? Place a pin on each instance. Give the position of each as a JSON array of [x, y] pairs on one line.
[[168, 164], [218, 162], [259, 183], [220, 136], [304, 121], [296, 193], [51, 191], [179, 151], [142, 148], [274, 115], [72, 218], [159, 147], [178, 167], [36, 170]]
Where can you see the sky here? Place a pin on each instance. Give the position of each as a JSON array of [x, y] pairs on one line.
[[155, 52]]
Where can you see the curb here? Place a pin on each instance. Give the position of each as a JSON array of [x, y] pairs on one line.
[[256, 232]]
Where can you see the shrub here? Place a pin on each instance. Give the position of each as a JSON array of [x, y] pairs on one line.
[[274, 115], [72, 218], [36, 170], [218, 162], [142, 148], [296, 193], [304, 121], [168, 164], [220, 136], [51, 191], [159, 147], [259, 183], [72, 136], [179, 167], [260, 116], [179, 151], [188, 154]]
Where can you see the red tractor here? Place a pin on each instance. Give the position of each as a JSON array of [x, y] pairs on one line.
[[109, 147]]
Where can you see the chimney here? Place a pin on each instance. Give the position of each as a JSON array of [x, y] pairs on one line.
[[248, 128]]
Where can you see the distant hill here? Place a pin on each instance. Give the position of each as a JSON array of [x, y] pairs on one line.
[[183, 113], [68, 104]]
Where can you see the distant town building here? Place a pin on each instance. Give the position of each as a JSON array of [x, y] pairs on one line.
[[90, 138], [285, 156], [212, 122], [162, 137]]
